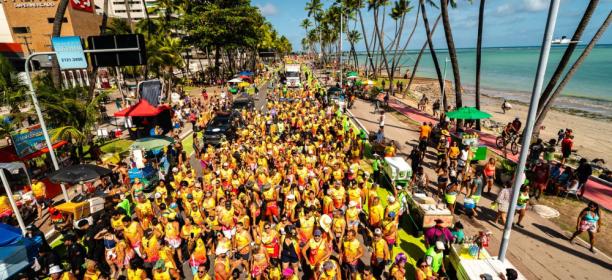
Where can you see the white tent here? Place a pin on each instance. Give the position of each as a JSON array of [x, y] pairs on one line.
[[235, 80], [13, 167]]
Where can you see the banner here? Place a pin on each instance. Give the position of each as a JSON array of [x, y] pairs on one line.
[[29, 140], [82, 5]]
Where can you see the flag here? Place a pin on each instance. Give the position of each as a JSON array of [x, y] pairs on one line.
[[82, 5]]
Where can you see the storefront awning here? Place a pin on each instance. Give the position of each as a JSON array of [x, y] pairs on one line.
[[8, 154]]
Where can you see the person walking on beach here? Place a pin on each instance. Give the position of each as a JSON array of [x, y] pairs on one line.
[[566, 147], [583, 172], [503, 203], [435, 107], [489, 173], [589, 220]]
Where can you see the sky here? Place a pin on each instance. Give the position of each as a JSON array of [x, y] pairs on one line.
[[506, 23]]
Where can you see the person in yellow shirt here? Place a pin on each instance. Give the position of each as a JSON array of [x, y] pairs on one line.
[[160, 272], [5, 206], [39, 191], [351, 252], [376, 213], [135, 270], [380, 254], [241, 244], [330, 270], [56, 273], [352, 215], [393, 205]]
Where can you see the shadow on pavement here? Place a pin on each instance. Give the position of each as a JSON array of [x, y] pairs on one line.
[[555, 234]]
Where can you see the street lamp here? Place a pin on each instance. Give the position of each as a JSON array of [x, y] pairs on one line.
[[533, 108]]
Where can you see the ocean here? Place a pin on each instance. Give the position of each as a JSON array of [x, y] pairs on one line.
[[509, 72]]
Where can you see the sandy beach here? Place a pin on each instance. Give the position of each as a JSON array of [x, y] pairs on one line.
[[593, 137]]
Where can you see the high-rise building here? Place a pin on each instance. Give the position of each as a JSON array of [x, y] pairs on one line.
[[119, 9], [30, 23]]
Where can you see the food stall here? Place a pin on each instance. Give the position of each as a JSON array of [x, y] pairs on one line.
[[145, 117], [21, 196], [144, 156], [424, 211], [397, 171], [470, 137]]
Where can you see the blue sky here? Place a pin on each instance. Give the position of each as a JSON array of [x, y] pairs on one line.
[[507, 22]]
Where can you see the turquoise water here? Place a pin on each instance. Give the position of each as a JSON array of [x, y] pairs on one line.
[[510, 73]]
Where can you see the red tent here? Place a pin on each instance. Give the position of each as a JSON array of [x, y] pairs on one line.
[[142, 109], [8, 154]]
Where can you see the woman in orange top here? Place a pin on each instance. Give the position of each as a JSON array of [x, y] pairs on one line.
[[489, 172]]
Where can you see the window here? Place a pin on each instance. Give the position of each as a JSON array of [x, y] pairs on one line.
[[21, 30], [50, 20]]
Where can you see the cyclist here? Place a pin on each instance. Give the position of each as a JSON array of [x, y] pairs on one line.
[[512, 128]]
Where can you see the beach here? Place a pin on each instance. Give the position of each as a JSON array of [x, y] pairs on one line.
[[593, 135]]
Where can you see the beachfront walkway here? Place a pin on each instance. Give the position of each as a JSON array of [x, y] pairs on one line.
[[539, 251], [595, 190]]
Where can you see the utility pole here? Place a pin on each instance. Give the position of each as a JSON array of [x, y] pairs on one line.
[[340, 59], [533, 110]]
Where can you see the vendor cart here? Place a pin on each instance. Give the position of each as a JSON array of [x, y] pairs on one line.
[[424, 212], [84, 210], [397, 171], [471, 265]]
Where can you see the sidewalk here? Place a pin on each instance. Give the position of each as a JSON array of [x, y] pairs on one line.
[[539, 251], [595, 191]]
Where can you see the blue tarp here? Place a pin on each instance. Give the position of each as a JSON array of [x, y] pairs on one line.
[[246, 73], [11, 236]]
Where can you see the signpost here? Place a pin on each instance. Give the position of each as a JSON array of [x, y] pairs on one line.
[[73, 54], [69, 52]]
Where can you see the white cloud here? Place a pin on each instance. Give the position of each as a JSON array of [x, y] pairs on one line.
[[535, 5], [268, 9], [504, 9]]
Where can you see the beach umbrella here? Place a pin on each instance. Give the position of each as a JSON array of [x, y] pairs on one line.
[[152, 143], [352, 74], [246, 73], [235, 80], [79, 173], [468, 113], [243, 84], [233, 90], [352, 77]]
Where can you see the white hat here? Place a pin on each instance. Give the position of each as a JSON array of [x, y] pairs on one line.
[[220, 250], [157, 195], [352, 203], [440, 245], [391, 198], [291, 196], [174, 169], [55, 269], [366, 174], [377, 231], [325, 221]]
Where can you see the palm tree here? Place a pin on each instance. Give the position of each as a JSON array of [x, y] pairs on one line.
[[314, 9], [375, 5], [418, 59], [354, 37], [584, 22], [56, 32], [433, 52], [478, 56], [306, 24], [570, 73], [452, 52]]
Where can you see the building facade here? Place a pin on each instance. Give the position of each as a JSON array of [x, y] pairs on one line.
[[30, 23], [119, 9]]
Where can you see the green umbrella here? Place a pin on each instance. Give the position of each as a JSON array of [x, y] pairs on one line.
[[352, 74], [358, 83], [152, 143], [233, 90], [468, 113]]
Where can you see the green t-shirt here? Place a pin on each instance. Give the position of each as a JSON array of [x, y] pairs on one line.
[[375, 164], [435, 259]]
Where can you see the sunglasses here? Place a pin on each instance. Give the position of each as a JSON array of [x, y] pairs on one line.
[[201, 271]]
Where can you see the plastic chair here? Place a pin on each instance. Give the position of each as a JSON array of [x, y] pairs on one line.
[[573, 190]]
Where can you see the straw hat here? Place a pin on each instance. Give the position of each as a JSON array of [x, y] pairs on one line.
[[325, 221]]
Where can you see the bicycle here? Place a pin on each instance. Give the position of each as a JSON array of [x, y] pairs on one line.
[[503, 140]]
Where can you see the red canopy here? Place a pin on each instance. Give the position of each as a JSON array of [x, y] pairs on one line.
[[142, 109]]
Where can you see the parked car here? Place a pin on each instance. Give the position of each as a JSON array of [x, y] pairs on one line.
[[222, 127], [244, 101]]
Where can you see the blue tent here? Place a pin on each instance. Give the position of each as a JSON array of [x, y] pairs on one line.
[[11, 236], [16, 251]]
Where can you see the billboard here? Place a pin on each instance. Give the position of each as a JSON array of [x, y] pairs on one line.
[[29, 140], [82, 5]]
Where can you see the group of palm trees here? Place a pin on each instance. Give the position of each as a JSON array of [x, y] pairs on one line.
[[384, 51]]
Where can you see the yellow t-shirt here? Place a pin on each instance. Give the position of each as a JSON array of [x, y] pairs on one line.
[[38, 189]]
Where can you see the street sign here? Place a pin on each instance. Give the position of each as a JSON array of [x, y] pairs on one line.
[[69, 52], [109, 42]]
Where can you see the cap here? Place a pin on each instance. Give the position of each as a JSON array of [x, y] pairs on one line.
[[511, 273], [391, 214], [377, 231], [189, 196], [55, 269], [325, 221], [174, 169], [220, 251], [291, 196], [366, 174], [401, 257], [317, 232], [157, 195], [440, 245], [352, 203], [328, 265], [391, 198], [173, 205]]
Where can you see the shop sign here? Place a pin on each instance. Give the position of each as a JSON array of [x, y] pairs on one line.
[[35, 5], [69, 51], [30, 140]]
